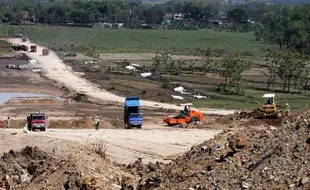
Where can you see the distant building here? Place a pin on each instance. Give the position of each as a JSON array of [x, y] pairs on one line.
[[215, 21], [178, 16]]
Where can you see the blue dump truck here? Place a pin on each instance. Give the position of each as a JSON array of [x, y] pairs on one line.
[[132, 114]]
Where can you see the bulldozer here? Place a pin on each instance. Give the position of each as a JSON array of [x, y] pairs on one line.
[[184, 117], [269, 109]]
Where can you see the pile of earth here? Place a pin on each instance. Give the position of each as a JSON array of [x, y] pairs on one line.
[[31, 166], [247, 119], [253, 157]]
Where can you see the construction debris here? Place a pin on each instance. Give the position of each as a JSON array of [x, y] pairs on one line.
[[181, 90], [130, 68], [32, 62], [145, 75], [198, 96], [19, 67], [177, 97], [135, 65]]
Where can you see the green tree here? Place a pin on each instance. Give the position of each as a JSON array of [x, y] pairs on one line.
[[273, 63], [91, 50], [192, 67], [237, 14], [177, 66], [290, 69], [154, 14], [232, 69]]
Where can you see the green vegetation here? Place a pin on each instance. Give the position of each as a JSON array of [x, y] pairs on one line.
[[289, 28], [3, 31], [176, 41], [252, 101], [4, 47]]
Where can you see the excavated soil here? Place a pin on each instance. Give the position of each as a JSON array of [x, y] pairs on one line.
[[20, 170], [245, 157], [32, 168]]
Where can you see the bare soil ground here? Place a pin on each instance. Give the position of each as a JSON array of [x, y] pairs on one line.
[[155, 142], [13, 80], [123, 146]]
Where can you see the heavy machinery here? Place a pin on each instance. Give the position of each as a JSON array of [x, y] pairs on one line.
[[33, 48], [269, 109], [184, 117], [37, 120], [18, 47], [132, 114]]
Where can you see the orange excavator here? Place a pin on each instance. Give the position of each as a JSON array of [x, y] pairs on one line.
[[184, 117]]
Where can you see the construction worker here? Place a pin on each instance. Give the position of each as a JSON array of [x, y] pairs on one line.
[[269, 101], [8, 122], [97, 123], [25, 128], [287, 109], [186, 110]]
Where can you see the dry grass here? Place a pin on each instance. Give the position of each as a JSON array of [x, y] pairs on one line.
[[100, 148]]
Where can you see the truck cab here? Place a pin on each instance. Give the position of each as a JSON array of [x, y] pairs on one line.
[[37, 121], [135, 120], [132, 114]]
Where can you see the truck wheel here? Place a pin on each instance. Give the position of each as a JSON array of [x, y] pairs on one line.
[[194, 119], [139, 127], [43, 129]]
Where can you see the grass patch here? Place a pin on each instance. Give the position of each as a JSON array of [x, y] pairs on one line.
[[146, 41], [252, 99], [4, 47]]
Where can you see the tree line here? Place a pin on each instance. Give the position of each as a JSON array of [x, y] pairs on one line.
[[133, 13], [289, 27]]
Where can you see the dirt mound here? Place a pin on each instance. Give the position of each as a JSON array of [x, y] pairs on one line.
[[80, 123], [247, 119], [80, 97], [85, 123], [255, 157], [21, 170], [32, 168]]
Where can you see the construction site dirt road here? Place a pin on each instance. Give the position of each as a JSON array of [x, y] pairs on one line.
[[122, 146]]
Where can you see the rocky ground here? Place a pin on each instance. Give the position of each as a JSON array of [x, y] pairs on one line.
[[241, 157]]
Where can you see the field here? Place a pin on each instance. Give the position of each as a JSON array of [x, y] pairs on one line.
[[134, 42], [141, 41], [111, 75]]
